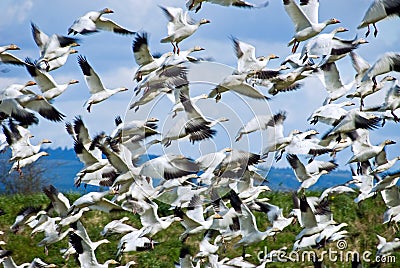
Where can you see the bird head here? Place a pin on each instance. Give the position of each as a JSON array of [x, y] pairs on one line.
[[46, 141], [73, 82], [152, 119], [227, 150], [30, 83], [341, 29], [273, 56], [198, 48], [333, 21], [107, 10], [13, 47], [389, 78], [73, 51], [204, 21], [223, 119], [390, 142]]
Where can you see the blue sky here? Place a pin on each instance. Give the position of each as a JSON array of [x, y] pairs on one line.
[[268, 29]]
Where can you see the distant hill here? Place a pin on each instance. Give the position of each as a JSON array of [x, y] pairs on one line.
[[64, 164]]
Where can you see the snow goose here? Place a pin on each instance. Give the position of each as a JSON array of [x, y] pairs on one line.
[[248, 229], [40, 105], [74, 217], [275, 137], [275, 216], [180, 26], [367, 87], [363, 181], [387, 181], [10, 108], [384, 164], [98, 92], [377, 11], [150, 219], [26, 161], [54, 49], [354, 119], [46, 82], [306, 143], [236, 83], [53, 237], [162, 80], [184, 56], [364, 151], [196, 4], [329, 114], [392, 102], [31, 100], [206, 247], [258, 122], [193, 220], [341, 47], [134, 130], [147, 63], [8, 58], [285, 81], [321, 45], [305, 19], [85, 249], [8, 262], [59, 201], [117, 227], [295, 61], [337, 189], [391, 197], [44, 223], [237, 161], [95, 170], [389, 61], [95, 201], [18, 139], [178, 107], [121, 159], [386, 248], [135, 241], [93, 21], [197, 126], [80, 133], [168, 166], [333, 84], [22, 216], [247, 60], [305, 174]]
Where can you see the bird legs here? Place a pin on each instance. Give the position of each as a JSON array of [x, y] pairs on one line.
[[176, 48], [396, 118], [89, 106], [295, 46], [369, 30]]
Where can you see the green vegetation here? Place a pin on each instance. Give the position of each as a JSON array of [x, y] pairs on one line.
[[365, 221]]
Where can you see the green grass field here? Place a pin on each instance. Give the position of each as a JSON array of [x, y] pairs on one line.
[[365, 221]]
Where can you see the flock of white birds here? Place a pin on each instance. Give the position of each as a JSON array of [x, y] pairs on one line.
[[216, 193]]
